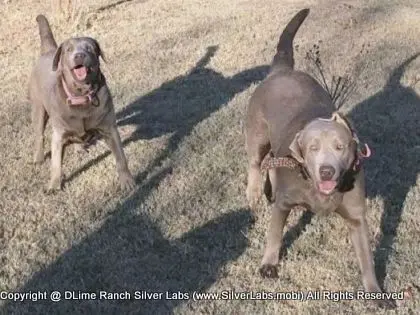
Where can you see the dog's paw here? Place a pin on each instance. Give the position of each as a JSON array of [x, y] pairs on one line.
[[50, 190], [269, 271], [54, 185], [253, 195], [127, 182], [388, 304], [38, 156]]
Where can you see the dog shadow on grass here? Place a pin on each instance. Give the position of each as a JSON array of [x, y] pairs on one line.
[[389, 122], [128, 254], [178, 105]]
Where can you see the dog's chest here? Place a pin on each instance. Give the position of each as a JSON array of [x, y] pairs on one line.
[[77, 127], [322, 204], [77, 118], [80, 136]]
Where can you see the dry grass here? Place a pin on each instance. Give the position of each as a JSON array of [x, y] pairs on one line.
[[181, 73]]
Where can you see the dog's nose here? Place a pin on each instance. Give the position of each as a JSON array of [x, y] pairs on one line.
[[79, 56], [327, 172]]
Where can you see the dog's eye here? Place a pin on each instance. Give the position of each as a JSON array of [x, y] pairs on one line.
[[69, 49], [340, 147]]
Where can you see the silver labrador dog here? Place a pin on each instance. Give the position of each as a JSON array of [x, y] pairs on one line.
[[291, 118], [67, 86]]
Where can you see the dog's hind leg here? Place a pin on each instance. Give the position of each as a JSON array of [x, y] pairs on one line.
[[39, 121], [257, 147]]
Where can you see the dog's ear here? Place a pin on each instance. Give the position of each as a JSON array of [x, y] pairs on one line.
[[296, 148], [57, 57], [341, 119], [99, 50]]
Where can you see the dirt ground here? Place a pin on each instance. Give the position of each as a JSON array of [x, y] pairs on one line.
[[181, 73]]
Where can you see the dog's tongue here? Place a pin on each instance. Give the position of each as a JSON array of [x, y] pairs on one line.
[[80, 73], [327, 186]]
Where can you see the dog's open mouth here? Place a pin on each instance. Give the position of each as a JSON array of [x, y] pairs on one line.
[[80, 72], [326, 187]]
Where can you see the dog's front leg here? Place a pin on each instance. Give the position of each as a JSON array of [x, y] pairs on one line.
[[56, 159], [270, 260], [359, 237], [113, 140]]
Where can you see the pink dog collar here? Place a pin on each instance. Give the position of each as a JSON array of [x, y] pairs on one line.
[[73, 100]]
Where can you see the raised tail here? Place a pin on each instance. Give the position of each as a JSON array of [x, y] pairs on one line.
[[284, 55], [47, 39]]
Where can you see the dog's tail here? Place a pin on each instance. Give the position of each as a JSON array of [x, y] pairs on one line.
[[284, 56], [47, 38]]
